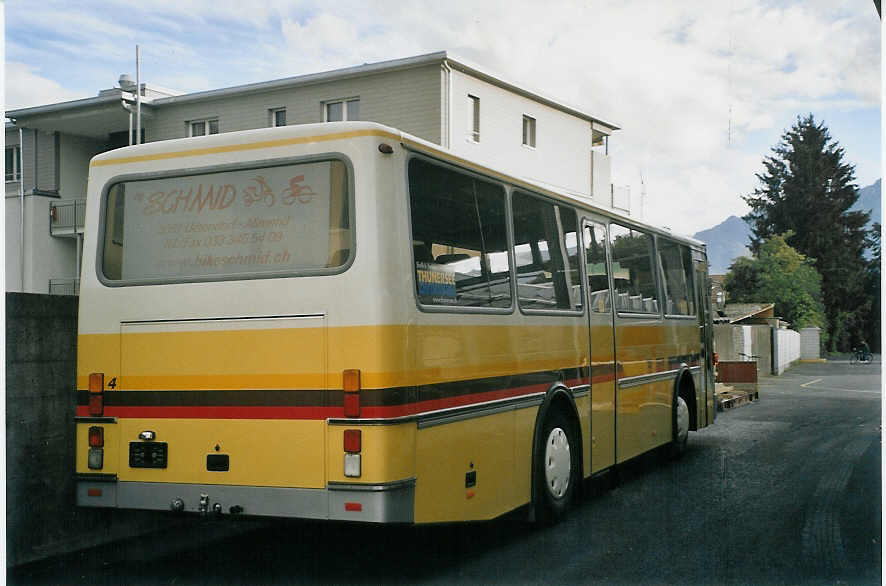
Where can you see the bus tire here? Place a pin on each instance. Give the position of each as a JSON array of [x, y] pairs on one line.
[[557, 468], [680, 420]]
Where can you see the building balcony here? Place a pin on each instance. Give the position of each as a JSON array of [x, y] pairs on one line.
[[66, 217], [64, 286]]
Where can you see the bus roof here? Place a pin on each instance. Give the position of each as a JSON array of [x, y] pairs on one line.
[[249, 140]]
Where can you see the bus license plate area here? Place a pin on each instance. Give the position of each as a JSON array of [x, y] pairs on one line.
[[148, 454]]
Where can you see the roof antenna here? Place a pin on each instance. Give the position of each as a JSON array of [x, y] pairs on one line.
[[642, 196], [138, 95], [729, 76]]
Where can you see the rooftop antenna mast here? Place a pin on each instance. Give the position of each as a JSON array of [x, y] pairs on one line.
[[642, 196], [138, 95], [729, 77]]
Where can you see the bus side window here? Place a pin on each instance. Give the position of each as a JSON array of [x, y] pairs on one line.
[[459, 238], [677, 278], [546, 254], [598, 276], [632, 274]]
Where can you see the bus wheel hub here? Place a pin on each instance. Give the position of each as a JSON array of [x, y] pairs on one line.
[[558, 462]]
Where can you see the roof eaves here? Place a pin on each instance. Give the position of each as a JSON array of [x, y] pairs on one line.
[[71, 105], [307, 79]]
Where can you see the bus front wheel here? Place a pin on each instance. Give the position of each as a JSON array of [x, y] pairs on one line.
[[556, 468]]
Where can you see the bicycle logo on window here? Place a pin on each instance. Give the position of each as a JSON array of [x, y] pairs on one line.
[[298, 192], [262, 194]]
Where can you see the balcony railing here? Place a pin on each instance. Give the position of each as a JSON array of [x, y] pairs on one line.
[[64, 286], [66, 217]]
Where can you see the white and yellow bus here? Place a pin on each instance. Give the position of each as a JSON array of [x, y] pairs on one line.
[[341, 321]]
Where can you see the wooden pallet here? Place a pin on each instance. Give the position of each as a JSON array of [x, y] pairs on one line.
[[729, 397]]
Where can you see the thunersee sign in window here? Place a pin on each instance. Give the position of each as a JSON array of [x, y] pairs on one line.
[[284, 220]]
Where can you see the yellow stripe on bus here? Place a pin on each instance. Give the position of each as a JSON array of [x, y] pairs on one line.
[[231, 148]]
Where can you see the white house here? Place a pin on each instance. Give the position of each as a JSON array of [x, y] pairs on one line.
[[438, 97]]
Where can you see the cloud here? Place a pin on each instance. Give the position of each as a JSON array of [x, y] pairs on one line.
[[693, 84], [25, 87]]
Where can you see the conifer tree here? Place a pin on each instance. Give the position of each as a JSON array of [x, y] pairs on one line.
[[806, 188]]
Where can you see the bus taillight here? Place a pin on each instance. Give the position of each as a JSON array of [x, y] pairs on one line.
[[96, 400], [96, 457], [353, 444], [351, 386], [96, 437], [352, 441]]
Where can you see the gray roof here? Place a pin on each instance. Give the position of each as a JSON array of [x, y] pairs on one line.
[[313, 78], [739, 311]]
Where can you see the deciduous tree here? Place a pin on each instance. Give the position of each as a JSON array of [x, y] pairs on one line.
[[781, 275]]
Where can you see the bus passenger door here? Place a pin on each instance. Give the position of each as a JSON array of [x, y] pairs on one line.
[[706, 332], [602, 350]]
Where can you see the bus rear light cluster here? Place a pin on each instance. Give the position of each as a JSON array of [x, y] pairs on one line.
[[96, 398], [351, 386], [353, 445]]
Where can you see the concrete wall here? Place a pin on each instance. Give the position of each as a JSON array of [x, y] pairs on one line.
[[730, 341], [810, 343], [45, 257], [41, 519], [787, 349], [406, 99], [75, 152]]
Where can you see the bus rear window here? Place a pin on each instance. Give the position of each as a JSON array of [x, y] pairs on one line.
[[271, 221]]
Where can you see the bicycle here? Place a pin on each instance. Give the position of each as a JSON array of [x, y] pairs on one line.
[[859, 356]]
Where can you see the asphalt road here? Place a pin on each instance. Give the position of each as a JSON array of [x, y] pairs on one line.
[[786, 490]]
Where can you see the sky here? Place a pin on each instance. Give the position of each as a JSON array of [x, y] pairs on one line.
[[701, 90]]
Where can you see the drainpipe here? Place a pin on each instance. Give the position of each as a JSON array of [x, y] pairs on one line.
[[446, 134], [21, 194], [128, 108], [79, 238]]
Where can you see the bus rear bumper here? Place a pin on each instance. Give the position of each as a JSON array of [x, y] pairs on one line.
[[371, 503]]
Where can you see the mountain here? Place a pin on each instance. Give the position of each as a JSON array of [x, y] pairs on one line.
[[730, 238], [726, 241], [869, 199]]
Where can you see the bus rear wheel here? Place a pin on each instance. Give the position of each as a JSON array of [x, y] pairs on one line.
[[556, 468], [681, 427]]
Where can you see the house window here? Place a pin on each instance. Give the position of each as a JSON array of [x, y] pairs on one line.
[[13, 163], [343, 110], [203, 127], [278, 117], [529, 131], [474, 103]]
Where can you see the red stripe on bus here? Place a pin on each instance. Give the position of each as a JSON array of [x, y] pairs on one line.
[[289, 412], [319, 412]]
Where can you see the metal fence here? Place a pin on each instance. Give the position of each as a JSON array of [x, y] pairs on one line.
[[64, 286], [67, 215]]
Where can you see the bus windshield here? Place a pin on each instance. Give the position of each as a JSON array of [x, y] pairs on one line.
[[270, 221]]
